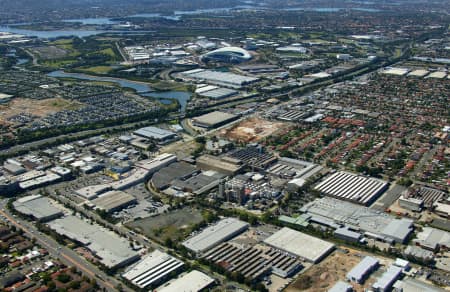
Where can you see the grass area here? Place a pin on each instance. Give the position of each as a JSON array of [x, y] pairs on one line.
[[175, 225], [56, 64], [96, 69], [109, 52], [168, 85]]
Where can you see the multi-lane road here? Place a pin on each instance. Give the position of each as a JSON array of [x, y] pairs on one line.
[[64, 254]]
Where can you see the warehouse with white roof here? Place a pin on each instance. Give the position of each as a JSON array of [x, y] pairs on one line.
[[299, 244], [352, 187], [362, 270], [152, 270], [191, 282], [211, 236]]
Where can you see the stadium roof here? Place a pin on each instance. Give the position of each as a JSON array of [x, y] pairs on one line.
[[234, 53]]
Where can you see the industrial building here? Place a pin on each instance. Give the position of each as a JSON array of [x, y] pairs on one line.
[[160, 135], [363, 269], [420, 196], [213, 120], [433, 239], [299, 244], [254, 157], [253, 262], [144, 169], [225, 165], [193, 281], [199, 183], [225, 79], [346, 234], [111, 250], [178, 170], [352, 187], [295, 169], [227, 55], [418, 253], [153, 270], [335, 213], [216, 93], [213, 235], [413, 285], [396, 71], [412, 204], [113, 201], [341, 287], [385, 282], [38, 207]]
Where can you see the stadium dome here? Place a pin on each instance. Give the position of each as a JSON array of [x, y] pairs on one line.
[[227, 55]]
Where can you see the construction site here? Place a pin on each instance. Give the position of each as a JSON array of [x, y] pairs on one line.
[[251, 130]]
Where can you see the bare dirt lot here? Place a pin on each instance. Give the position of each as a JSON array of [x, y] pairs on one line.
[[174, 225], [251, 130], [39, 108], [323, 276]]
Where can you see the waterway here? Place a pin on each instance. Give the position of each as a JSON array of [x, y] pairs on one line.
[[141, 88], [49, 34]]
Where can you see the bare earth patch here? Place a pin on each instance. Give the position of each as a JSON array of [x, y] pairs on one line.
[[251, 130], [39, 108]]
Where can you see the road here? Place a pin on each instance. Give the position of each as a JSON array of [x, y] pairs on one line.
[[66, 255], [121, 52]]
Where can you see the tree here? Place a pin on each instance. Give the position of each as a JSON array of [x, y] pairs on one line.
[[64, 278]]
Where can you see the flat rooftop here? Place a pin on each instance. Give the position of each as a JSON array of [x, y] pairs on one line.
[[191, 282], [352, 187], [37, 206], [358, 218], [305, 246], [214, 118], [113, 200], [215, 234], [396, 71], [154, 133], [112, 249], [152, 269]]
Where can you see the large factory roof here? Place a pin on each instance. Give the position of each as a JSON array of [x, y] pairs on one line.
[[113, 200], [113, 251], [352, 187], [155, 133], [191, 282], [213, 119], [38, 207], [305, 246], [220, 78], [359, 217], [152, 269], [432, 238], [215, 234]]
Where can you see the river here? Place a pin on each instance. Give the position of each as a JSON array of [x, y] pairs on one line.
[[141, 88]]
